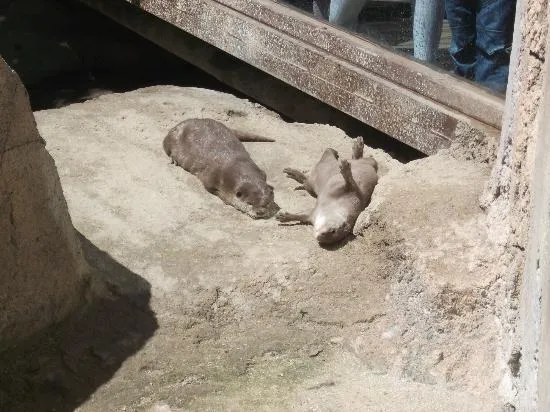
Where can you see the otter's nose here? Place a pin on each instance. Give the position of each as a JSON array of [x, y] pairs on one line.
[[324, 235], [261, 213], [327, 236]]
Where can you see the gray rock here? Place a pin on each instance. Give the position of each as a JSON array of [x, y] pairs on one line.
[[42, 273]]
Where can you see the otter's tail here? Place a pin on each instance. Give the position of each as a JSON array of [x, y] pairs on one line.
[[168, 142], [357, 152], [250, 137], [357, 149]]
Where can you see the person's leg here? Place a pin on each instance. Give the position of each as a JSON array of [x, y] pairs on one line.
[[462, 20], [495, 26], [427, 23], [321, 8], [345, 12]]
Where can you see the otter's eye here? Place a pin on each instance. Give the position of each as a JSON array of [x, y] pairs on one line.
[[238, 194]]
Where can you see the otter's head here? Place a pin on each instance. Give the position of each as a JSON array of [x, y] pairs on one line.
[[331, 227], [256, 200]]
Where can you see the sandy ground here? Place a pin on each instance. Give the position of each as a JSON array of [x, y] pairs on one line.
[[197, 307]]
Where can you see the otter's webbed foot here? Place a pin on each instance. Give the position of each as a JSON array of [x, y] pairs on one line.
[[357, 150], [295, 174], [345, 169], [285, 217]]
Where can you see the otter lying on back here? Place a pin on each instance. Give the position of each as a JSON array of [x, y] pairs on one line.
[[343, 190]]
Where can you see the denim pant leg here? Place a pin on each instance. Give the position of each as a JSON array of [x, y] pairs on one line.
[[461, 15], [427, 24], [495, 29]]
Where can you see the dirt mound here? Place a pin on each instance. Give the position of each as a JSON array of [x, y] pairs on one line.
[[256, 316]]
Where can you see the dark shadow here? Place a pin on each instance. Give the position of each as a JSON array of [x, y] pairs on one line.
[[305, 5], [115, 59], [338, 245], [294, 224], [330, 247], [59, 368]]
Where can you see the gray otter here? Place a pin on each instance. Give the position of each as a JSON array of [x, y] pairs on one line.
[[343, 190], [214, 153]]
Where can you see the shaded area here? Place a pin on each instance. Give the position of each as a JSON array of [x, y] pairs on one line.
[[66, 53], [61, 367], [252, 314], [69, 60]]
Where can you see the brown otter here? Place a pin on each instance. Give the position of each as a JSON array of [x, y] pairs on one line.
[[343, 190], [214, 153]]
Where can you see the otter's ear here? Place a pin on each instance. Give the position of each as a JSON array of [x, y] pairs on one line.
[[271, 187]]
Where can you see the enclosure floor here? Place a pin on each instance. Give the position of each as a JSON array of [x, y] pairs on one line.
[[202, 308]]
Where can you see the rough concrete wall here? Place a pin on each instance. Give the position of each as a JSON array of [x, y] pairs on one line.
[[42, 266], [508, 198], [535, 311], [542, 266]]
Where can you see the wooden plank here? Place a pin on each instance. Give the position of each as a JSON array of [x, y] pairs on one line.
[[407, 116], [247, 79], [428, 81], [374, 100]]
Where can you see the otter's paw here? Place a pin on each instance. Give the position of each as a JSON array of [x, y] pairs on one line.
[[358, 146], [345, 167], [284, 217], [294, 174]]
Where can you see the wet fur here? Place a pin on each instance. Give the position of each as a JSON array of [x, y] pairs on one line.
[[343, 189], [214, 154]]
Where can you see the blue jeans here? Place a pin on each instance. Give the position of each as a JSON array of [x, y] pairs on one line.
[[482, 33]]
